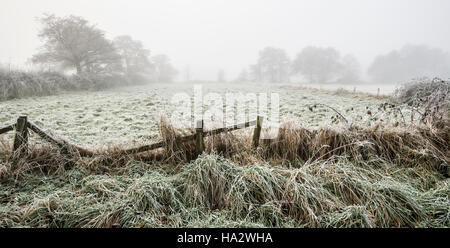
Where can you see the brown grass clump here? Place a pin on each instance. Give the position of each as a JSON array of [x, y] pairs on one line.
[[235, 146], [291, 142], [402, 146], [175, 151]]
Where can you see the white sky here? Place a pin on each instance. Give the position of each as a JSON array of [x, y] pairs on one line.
[[211, 34]]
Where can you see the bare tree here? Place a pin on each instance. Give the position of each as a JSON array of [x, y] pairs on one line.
[[135, 58], [318, 65], [73, 43], [164, 71], [273, 66], [243, 76], [350, 70], [255, 73]]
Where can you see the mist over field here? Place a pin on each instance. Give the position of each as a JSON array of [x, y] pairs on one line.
[[225, 113], [379, 41]]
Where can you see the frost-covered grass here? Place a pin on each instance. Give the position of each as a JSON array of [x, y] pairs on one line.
[[131, 115], [315, 173], [215, 192]]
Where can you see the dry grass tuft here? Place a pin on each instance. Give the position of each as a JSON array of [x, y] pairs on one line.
[[424, 146]]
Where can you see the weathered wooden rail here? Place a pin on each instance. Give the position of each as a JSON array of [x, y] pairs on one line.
[[23, 124], [7, 129], [59, 143], [201, 134]]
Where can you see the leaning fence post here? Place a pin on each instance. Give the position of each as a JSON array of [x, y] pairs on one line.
[[257, 132], [21, 137], [199, 142]]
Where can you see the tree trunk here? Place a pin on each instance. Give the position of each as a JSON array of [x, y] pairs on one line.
[[79, 70], [127, 64]]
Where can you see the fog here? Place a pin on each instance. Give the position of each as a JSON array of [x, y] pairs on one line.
[[211, 36]]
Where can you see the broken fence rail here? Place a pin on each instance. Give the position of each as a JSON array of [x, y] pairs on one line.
[[7, 129], [21, 137], [61, 144], [200, 135]]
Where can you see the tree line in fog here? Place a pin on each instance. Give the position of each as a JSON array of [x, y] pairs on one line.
[[327, 65], [73, 44]]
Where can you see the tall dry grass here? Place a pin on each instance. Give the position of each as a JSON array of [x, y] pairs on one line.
[[424, 146]]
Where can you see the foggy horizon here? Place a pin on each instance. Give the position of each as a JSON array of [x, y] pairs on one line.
[[208, 36]]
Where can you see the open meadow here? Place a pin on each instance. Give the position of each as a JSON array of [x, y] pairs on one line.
[[340, 159], [132, 115]]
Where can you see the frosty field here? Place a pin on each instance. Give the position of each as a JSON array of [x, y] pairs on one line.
[[314, 173], [131, 115], [217, 114]]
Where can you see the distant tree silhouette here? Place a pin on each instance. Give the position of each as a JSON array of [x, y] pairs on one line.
[[350, 72], [318, 65], [411, 61], [272, 66], [135, 58], [163, 70]]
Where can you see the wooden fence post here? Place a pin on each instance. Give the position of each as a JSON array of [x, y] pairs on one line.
[[199, 142], [257, 132], [21, 137]]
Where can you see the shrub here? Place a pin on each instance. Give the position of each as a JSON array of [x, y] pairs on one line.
[[422, 90], [429, 98], [18, 84]]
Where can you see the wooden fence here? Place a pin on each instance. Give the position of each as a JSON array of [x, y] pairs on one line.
[[23, 125]]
